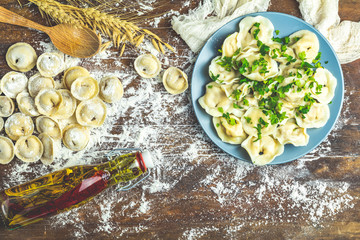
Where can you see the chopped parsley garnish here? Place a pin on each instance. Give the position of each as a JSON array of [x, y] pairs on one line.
[[226, 63], [277, 32], [229, 120], [248, 119], [213, 77], [237, 106], [264, 49], [289, 58], [236, 94], [220, 109], [257, 30], [306, 65], [256, 33], [245, 102], [237, 52], [258, 128], [317, 58], [302, 56], [298, 75], [260, 87], [262, 122], [286, 40], [295, 39], [274, 55], [302, 110], [244, 64], [318, 88], [318, 64]]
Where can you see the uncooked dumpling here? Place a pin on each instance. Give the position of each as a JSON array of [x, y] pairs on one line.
[[29, 148], [13, 83], [26, 104], [175, 81], [48, 101], [111, 89], [76, 137], [48, 153], [84, 88], [50, 64], [19, 125], [38, 82], [147, 65], [6, 150], [6, 106], [49, 126], [91, 113], [21, 57], [72, 74], [67, 106]]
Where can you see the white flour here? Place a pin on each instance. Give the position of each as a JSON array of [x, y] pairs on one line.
[[147, 117]]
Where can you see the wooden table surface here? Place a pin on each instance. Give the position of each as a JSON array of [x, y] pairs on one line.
[[203, 193]]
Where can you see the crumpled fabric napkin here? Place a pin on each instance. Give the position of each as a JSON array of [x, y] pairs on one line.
[[199, 24], [344, 36]]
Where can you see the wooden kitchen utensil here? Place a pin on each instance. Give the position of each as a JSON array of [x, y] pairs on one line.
[[80, 42]]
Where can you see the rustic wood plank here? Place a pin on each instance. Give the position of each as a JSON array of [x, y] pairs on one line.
[[197, 200]]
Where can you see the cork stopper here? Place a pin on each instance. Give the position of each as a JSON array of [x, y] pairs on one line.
[[147, 159]]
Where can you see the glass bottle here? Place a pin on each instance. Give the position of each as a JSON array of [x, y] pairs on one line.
[[69, 188]]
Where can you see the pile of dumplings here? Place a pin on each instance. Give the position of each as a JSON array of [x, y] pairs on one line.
[[39, 112], [174, 80], [266, 91]]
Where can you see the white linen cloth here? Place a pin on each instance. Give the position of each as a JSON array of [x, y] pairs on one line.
[[198, 25], [344, 36]]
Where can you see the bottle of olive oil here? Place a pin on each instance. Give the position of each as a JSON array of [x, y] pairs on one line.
[[69, 188]]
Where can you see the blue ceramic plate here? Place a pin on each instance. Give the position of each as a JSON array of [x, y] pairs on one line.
[[287, 25]]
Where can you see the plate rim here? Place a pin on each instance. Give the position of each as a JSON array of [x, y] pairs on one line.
[[195, 101]]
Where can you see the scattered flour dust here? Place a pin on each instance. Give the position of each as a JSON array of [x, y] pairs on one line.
[[146, 119]]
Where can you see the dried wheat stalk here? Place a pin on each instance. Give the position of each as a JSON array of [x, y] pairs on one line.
[[121, 31]]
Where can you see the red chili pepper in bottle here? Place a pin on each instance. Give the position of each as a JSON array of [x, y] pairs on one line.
[[69, 188]]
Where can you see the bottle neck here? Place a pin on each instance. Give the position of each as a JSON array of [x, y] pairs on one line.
[[123, 168]]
